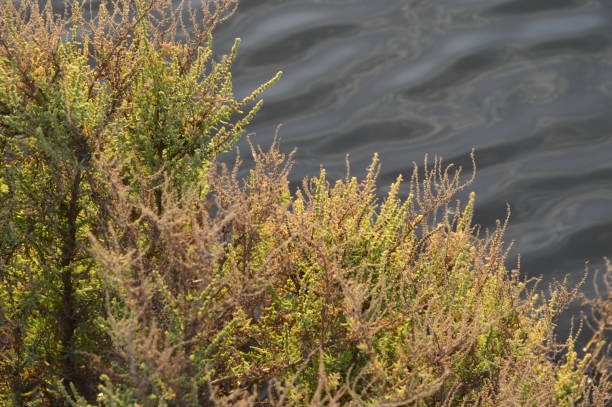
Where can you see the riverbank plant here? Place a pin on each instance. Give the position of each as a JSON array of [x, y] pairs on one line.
[[75, 85], [135, 270], [330, 296]]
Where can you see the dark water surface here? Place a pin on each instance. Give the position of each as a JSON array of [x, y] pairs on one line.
[[527, 83]]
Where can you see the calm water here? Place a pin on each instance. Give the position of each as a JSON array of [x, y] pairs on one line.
[[527, 83]]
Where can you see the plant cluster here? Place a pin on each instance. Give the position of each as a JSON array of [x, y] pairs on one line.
[[74, 87], [326, 296], [136, 271]]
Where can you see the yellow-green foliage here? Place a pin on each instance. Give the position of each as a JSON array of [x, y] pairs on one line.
[[327, 296], [116, 85]]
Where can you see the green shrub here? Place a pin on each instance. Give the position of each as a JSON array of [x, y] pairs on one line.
[[116, 85]]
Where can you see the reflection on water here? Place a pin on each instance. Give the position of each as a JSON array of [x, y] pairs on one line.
[[527, 83]]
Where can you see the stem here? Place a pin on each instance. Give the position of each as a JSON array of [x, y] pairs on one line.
[[68, 320]]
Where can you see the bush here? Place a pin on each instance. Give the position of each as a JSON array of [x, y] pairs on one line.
[[326, 297], [137, 272], [117, 85]]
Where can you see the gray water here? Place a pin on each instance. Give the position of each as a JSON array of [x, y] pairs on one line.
[[526, 83]]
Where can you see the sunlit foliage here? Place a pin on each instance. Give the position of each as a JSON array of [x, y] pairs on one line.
[[114, 83], [327, 296]]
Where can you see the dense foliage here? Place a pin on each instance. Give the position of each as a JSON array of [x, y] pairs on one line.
[[73, 89], [134, 271]]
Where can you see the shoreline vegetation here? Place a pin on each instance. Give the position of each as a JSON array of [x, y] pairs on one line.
[[135, 270]]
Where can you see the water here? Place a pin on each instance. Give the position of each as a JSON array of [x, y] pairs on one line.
[[527, 83]]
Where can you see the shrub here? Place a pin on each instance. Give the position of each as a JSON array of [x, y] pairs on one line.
[[116, 83], [258, 295]]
